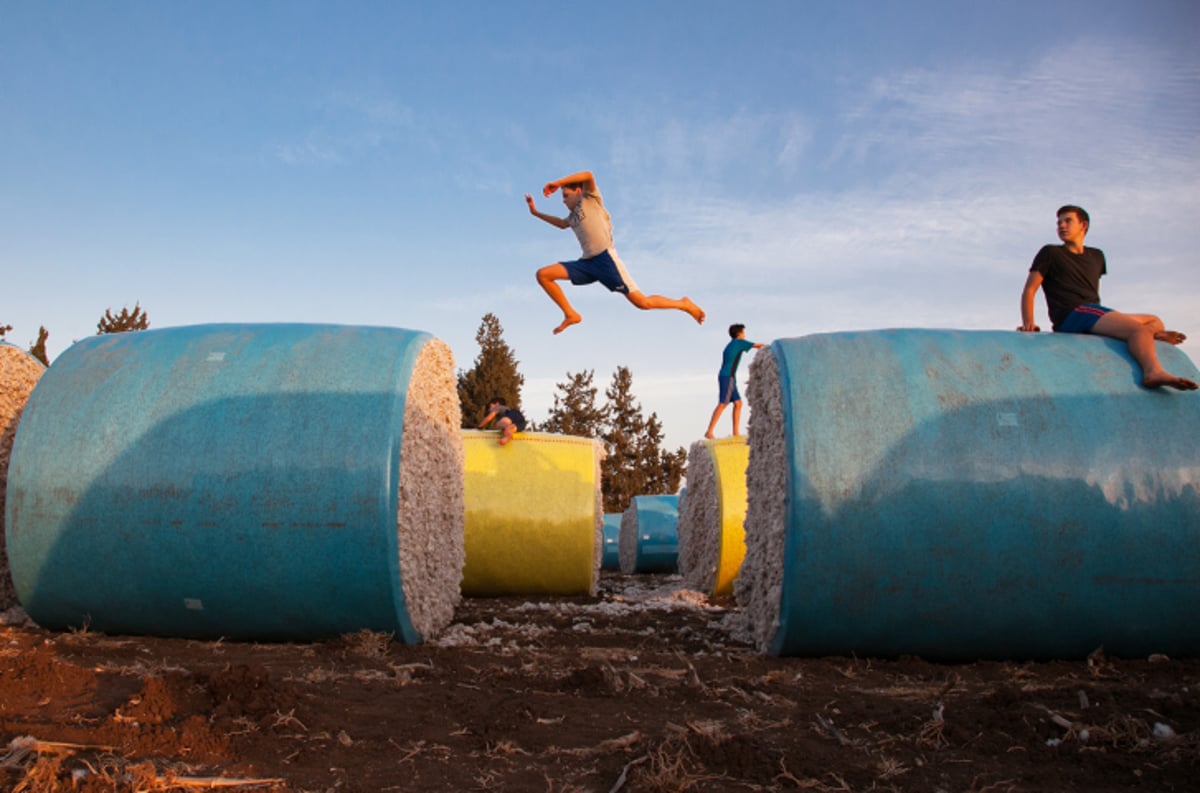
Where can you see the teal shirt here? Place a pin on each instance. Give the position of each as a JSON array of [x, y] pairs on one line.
[[732, 355]]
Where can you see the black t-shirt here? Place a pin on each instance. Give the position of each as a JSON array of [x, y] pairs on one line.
[[1069, 279]]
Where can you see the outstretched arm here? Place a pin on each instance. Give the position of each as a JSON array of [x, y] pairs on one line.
[[558, 222], [583, 177], [1032, 284], [487, 420]]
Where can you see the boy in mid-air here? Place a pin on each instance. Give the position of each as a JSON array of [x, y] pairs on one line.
[[1069, 275], [593, 228], [727, 377]]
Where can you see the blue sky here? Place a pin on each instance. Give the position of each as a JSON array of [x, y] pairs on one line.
[[798, 167]]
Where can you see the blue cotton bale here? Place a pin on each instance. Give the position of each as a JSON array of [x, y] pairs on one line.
[[610, 558], [258, 482], [961, 495], [649, 540]]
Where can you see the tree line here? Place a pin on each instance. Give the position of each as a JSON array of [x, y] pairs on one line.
[[635, 462], [125, 320]]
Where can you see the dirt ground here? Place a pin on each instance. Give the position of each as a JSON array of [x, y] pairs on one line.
[[646, 687]]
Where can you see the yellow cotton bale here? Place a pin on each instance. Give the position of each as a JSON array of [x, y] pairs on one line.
[[534, 516], [712, 538]]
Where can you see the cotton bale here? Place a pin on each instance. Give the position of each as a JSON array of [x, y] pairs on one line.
[[649, 541], [970, 494], [611, 559], [534, 514], [19, 373], [711, 533], [258, 482]]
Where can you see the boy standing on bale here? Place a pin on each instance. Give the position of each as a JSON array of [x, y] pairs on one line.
[[508, 420], [593, 228], [1069, 274], [727, 378]]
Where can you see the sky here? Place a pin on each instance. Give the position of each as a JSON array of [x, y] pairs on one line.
[[799, 167]]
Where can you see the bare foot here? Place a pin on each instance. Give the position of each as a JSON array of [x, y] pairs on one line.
[[693, 309], [708, 435], [1169, 380], [1170, 336], [504, 439], [568, 321]]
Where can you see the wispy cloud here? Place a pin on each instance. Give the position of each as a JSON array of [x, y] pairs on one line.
[[346, 127]]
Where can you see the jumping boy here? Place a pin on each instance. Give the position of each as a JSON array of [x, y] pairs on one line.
[[593, 228], [727, 378], [1069, 275], [508, 420]]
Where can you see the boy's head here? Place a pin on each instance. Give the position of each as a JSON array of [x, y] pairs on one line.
[[572, 194], [1080, 214], [496, 402], [736, 330]]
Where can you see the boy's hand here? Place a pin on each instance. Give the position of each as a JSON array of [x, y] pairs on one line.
[[532, 207], [549, 189]]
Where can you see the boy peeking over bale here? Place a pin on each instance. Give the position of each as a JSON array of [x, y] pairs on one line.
[[508, 420]]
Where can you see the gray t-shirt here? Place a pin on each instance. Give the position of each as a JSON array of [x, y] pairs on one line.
[[592, 225]]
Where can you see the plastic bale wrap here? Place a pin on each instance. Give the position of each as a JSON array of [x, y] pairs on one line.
[[19, 373], [649, 541], [711, 534], [611, 560], [970, 494], [256, 482], [534, 515]]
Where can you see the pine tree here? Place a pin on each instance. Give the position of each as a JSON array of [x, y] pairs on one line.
[[38, 349], [575, 411], [635, 463], [4, 329], [125, 321], [493, 375]]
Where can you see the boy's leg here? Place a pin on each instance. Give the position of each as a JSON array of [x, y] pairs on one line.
[[507, 430], [737, 416], [685, 304], [1139, 332], [548, 278], [712, 425]]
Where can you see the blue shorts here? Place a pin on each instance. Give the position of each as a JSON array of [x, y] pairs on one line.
[[515, 416], [1082, 318], [728, 390], [605, 267]]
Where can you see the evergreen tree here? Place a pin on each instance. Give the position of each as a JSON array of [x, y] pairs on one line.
[[494, 374], [125, 321], [38, 349], [635, 463], [4, 329], [575, 411]]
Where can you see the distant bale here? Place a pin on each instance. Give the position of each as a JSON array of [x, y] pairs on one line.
[[711, 533], [649, 541], [19, 373], [970, 494], [257, 482], [534, 514], [611, 560]]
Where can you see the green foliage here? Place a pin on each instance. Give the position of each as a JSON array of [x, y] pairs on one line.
[[635, 463], [125, 321], [38, 349], [494, 374], [575, 411]]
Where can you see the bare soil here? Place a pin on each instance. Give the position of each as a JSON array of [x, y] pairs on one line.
[[646, 687]]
